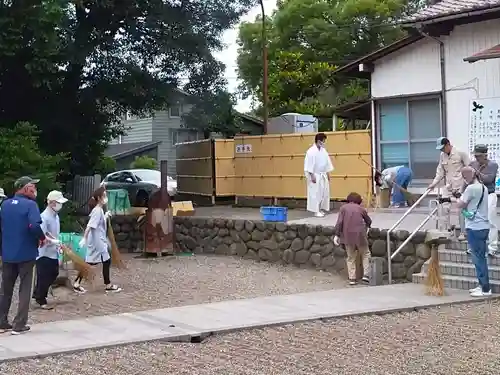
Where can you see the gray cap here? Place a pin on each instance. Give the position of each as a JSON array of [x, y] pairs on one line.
[[480, 149], [23, 181]]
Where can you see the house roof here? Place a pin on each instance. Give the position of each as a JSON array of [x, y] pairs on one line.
[[352, 67], [450, 9], [251, 118], [122, 150], [487, 54]]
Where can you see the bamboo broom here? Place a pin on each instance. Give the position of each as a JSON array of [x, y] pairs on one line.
[[116, 256], [85, 270], [434, 282]]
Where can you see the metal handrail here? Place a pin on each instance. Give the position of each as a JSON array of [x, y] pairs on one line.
[[409, 211]]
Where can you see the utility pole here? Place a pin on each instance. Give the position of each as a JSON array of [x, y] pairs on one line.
[[265, 98]]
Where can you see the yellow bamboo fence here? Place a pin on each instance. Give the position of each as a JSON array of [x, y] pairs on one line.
[[206, 168], [272, 165]]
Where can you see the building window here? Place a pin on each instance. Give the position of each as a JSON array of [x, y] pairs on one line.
[[175, 137], [408, 132], [175, 111]]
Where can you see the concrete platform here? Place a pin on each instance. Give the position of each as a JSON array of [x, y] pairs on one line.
[[382, 218], [197, 321]]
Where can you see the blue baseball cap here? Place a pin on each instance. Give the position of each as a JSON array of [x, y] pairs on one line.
[[441, 142]]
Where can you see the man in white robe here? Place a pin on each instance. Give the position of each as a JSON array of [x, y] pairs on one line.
[[317, 166]]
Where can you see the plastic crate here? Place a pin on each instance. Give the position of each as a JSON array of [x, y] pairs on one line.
[[272, 213]]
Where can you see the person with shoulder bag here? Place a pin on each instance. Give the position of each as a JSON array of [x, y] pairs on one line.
[[473, 204]]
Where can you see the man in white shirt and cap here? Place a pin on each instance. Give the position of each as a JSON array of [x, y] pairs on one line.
[[317, 166]]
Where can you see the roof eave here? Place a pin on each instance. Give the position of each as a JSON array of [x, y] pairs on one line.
[[124, 154], [450, 17], [353, 67]]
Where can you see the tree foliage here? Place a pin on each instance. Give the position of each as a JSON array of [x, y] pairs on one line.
[[75, 68], [307, 39], [144, 162], [21, 156]]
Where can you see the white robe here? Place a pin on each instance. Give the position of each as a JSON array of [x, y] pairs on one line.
[[317, 161]]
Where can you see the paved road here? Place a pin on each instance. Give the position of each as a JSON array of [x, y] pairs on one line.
[[183, 323]]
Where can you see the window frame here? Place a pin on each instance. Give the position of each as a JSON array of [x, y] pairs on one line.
[[178, 105], [410, 140]]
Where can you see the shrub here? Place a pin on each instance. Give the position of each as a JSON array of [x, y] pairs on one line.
[[144, 162]]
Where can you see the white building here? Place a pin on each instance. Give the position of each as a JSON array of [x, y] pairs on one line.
[[422, 86]]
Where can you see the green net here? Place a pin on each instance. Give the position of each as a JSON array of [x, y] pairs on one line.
[[72, 240], [118, 201]]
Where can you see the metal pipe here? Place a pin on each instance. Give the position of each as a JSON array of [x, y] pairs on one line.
[[405, 242], [265, 98], [443, 80], [388, 239]]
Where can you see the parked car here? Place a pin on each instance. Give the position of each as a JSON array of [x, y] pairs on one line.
[[139, 183]]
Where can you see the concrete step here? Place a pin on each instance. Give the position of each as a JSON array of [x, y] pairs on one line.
[[458, 282], [461, 256], [463, 269]]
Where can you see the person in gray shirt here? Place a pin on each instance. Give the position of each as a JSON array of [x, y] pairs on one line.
[[47, 263], [487, 170]]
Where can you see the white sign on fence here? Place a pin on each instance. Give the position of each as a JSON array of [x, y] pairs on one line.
[[484, 128], [243, 149]]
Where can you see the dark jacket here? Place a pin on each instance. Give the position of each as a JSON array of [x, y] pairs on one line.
[[21, 231]]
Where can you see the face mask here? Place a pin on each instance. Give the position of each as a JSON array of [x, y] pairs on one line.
[[321, 144], [58, 207], [105, 200]]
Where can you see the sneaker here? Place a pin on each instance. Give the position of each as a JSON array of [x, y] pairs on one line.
[[19, 331], [461, 237], [352, 282], [480, 293], [477, 288], [319, 214], [365, 279], [5, 327], [79, 289], [113, 289]]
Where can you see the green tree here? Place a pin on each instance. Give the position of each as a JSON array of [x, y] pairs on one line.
[[311, 37], [144, 162], [75, 68], [21, 156]]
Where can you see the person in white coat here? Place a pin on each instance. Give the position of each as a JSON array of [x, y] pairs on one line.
[[317, 166], [95, 238]]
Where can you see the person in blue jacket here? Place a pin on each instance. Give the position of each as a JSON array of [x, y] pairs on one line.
[[21, 236]]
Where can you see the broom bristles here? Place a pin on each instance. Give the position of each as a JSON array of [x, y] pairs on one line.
[[84, 269], [434, 283], [116, 256]]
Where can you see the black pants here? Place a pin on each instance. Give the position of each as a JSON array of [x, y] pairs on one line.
[[106, 265], [10, 273], [47, 270]]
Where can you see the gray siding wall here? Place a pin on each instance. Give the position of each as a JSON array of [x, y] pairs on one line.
[[138, 130], [168, 130]]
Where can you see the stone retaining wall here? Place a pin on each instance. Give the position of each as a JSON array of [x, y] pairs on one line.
[[301, 245]]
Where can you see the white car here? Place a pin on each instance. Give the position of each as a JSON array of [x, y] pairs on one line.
[[139, 183]]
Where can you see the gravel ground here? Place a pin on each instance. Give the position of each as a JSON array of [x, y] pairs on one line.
[[184, 280], [456, 340]]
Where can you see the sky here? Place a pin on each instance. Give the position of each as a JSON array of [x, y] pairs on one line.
[[229, 54]]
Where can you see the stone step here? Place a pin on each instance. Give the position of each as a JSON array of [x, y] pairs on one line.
[[458, 282], [463, 269], [460, 256]]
